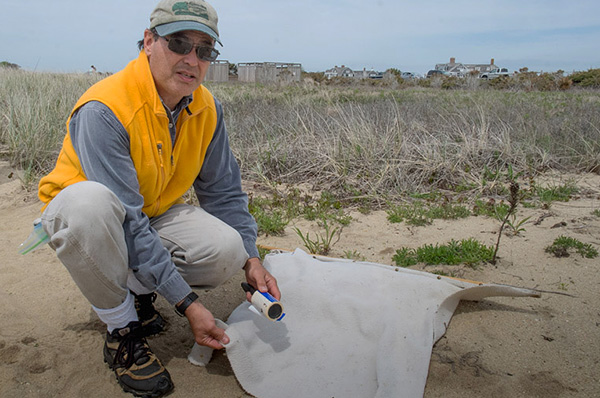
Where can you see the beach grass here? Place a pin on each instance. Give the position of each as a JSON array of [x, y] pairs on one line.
[[415, 151], [368, 143]]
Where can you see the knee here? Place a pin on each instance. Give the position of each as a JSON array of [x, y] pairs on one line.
[[225, 257], [91, 198], [86, 203], [228, 248]]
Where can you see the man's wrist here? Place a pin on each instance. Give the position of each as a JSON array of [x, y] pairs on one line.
[[185, 303], [251, 260]]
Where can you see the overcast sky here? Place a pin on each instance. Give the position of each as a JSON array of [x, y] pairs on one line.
[[543, 35]]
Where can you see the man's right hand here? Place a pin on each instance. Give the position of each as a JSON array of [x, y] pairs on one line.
[[203, 325]]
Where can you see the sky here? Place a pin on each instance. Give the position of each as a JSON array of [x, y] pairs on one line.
[[413, 36]]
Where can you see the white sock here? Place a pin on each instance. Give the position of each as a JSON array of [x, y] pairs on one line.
[[120, 316]]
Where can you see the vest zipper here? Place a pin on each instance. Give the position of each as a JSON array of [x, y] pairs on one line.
[[159, 146]]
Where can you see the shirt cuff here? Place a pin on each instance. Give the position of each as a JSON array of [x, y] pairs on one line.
[[174, 289], [251, 249]]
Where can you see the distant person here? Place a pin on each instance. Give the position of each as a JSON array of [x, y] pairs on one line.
[[92, 70], [113, 205]]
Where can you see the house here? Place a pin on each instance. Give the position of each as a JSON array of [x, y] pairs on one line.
[[339, 71], [269, 72], [368, 74], [459, 69], [344, 71]]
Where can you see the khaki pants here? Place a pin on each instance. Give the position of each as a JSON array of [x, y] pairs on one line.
[[85, 225]]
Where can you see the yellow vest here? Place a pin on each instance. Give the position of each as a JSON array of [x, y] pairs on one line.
[[164, 173]]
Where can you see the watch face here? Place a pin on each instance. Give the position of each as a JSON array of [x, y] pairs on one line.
[[187, 301]]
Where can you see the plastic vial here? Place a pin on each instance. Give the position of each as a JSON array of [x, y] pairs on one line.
[[36, 239]]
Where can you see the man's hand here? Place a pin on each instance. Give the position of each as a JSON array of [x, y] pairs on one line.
[[204, 328], [260, 278]]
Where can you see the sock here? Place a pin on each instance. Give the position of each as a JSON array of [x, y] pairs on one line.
[[120, 316]]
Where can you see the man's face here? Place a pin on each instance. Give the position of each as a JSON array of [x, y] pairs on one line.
[[176, 75]]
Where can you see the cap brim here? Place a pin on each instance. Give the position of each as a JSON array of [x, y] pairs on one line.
[[179, 26]]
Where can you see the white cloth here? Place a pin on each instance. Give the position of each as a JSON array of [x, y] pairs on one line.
[[352, 329]]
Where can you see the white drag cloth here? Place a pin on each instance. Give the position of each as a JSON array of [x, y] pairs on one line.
[[352, 329]]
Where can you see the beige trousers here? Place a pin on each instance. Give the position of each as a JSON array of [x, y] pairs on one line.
[[85, 225]]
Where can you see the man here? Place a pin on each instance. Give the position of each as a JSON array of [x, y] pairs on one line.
[[135, 143]]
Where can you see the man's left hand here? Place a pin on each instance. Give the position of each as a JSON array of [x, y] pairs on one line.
[[260, 278]]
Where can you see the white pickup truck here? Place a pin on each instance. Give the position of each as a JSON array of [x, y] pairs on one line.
[[494, 73]]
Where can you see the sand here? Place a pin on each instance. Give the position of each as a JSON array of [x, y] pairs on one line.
[[51, 340]]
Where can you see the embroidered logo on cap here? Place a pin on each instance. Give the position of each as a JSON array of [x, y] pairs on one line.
[[189, 8]]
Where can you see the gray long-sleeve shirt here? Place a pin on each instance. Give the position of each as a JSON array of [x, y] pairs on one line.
[[105, 158]]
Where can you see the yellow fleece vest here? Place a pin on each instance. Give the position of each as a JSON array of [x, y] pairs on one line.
[[164, 173]]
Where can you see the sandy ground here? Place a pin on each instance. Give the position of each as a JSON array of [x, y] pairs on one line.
[[51, 340]]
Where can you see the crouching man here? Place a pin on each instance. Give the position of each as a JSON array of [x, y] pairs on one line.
[[135, 144]]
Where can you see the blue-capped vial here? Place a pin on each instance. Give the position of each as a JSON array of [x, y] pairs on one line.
[[36, 239]]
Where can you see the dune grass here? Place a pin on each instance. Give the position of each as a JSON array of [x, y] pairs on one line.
[[411, 150], [362, 141], [33, 111]]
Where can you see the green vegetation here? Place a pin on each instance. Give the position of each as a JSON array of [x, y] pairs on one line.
[[262, 252], [563, 245], [269, 222], [490, 208], [6, 64], [467, 251], [323, 242], [419, 214], [515, 226], [590, 78], [274, 213], [420, 150], [560, 193], [353, 255]]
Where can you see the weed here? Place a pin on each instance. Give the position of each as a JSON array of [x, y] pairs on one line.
[[269, 222], [561, 246], [418, 214], [449, 212], [513, 201], [323, 242], [405, 257], [558, 193], [596, 213], [529, 204], [467, 251], [490, 209], [326, 207], [516, 226], [353, 255], [262, 252], [413, 214]]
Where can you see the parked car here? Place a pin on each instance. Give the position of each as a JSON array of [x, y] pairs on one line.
[[435, 72], [410, 75], [457, 73], [494, 73]]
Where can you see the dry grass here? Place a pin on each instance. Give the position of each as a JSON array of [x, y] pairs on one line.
[[33, 111], [383, 142], [372, 142]]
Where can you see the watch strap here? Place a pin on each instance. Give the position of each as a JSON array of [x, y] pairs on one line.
[[187, 301]]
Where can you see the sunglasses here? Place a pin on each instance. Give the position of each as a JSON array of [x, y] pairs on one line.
[[183, 47]]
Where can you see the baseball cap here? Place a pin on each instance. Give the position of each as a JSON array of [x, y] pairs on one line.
[[172, 16]]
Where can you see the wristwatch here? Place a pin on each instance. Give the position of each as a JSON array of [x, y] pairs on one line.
[[187, 301]]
